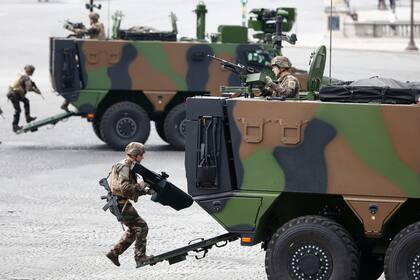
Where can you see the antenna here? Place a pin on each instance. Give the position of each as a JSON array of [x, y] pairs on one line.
[[243, 4], [109, 19], [330, 21]]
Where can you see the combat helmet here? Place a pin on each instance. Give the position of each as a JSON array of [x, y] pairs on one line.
[[281, 62], [134, 149], [29, 69], [94, 16]]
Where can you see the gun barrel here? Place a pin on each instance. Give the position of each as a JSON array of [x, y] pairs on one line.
[[216, 58]]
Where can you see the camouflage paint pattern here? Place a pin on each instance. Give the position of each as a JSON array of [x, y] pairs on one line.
[[158, 69], [364, 153]]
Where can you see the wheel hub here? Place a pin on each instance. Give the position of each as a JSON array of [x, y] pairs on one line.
[[309, 261], [414, 267], [182, 127], [126, 127]]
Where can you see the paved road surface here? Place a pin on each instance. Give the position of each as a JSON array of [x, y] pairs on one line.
[[51, 222]]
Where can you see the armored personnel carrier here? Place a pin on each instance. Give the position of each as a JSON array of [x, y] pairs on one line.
[[142, 74], [328, 183]]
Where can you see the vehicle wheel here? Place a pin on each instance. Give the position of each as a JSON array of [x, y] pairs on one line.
[[96, 128], [124, 122], [312, 247], [160, 131], [371, 266], [402, 258], [174, 126]]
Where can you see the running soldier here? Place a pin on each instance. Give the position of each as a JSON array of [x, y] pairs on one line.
[[124, 185]]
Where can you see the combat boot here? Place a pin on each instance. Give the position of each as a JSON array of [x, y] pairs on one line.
[[113, 257], [30, 119], [65, 107], [140, 261], [16, 128]]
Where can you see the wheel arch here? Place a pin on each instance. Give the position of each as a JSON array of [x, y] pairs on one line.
[[115, 96], [406, 215]]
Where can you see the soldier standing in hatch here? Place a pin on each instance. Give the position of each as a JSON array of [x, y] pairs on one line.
[[287, 85], [17, 92], [123, 183], [95, 31]]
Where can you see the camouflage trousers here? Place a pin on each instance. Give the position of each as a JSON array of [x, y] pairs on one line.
[[137, 230], [15, 99]]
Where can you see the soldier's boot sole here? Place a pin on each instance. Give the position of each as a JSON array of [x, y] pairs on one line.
[[142, 260]]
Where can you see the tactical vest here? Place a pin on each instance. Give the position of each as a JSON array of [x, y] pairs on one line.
[[19, 85], [114, 181]]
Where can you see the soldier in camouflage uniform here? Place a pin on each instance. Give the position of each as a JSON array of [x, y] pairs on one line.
[[17, 92], [96, 29], [287, 85], [124, 184]]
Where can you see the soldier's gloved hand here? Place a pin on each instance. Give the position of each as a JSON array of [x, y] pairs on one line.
[[141, 188], [268, 81], [150, 191], [135, 196]]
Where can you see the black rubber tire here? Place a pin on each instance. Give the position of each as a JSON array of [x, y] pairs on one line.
[[305, 245], [371, 266], [402, 258], [160, 131], [173, 127], [124, 122], [96, 128]]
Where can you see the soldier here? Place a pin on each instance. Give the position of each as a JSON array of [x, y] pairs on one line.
[[287, 85], [96, 30], [17, 92], [123, 183]]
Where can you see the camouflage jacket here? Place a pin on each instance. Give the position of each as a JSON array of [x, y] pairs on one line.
[[123, 181], [22, 85], [287, 86]]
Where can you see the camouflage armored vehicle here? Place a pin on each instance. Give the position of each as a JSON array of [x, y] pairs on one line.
[[120, 85], [330, 187]]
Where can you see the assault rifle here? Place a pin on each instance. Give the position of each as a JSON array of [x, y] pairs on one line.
[[72, 26], [247, 75], [239, 69], [111, 201], [166, 193], [36, 89]]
